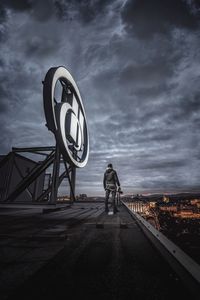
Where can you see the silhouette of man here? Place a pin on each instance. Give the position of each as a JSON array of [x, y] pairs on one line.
[[110, 183]]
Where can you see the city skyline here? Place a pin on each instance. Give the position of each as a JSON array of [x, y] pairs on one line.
[[137, 65]]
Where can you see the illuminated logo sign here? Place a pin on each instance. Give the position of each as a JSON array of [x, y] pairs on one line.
[[65, 116]]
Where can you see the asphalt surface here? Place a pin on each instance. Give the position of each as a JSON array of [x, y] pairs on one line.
[[81, 252]]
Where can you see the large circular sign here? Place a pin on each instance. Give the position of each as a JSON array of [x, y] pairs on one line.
[[65, 115]]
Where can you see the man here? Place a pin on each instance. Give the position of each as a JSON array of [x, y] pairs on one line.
[[110, 183]]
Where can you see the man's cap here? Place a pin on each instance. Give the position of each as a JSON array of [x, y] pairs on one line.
[[110, 165]]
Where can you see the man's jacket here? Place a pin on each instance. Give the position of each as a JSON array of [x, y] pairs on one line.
[[110, 179]]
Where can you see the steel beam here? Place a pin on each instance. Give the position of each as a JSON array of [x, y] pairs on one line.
[[34, 149], [55, 177], [73, 184], [35, 172], [48, 190], [72, 192]]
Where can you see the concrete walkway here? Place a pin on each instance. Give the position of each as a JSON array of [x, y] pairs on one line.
[[81, 252]]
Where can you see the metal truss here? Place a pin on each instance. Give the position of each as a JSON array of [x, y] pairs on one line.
[[52, 157]]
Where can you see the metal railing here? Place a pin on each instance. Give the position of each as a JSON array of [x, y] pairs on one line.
[[185, 261]]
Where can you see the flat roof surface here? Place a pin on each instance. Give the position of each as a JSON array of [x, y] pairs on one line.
[[80, 252]]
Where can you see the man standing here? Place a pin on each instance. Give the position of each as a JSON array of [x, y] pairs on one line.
[[110, 183]]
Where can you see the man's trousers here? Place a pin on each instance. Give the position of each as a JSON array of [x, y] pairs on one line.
[[113, 193]]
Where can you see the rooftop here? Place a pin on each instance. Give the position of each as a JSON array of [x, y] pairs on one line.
[[80, 251]]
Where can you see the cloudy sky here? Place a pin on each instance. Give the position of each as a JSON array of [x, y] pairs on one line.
[[137, 64]]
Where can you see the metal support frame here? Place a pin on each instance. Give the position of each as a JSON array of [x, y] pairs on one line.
[[73, 183], [53, 156], [55, 177]]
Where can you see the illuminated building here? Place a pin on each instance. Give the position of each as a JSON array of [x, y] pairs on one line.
[[187, 215], [152, 204], [139, 207], [168, 207], [195, 201], [165, 199], [63, 198]]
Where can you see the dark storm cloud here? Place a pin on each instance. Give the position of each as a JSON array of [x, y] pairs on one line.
[[146, 18], [2, 14], [149, 72], [35, 46], [86, 11], [188, 107], [137, 66], [21, 5], [165, 165], [40, 10]]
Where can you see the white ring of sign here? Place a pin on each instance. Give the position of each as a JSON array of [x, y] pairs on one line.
[[57, 124], [63, 113], [59, 73]]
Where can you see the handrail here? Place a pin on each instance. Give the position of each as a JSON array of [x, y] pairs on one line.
[[185, 260]]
